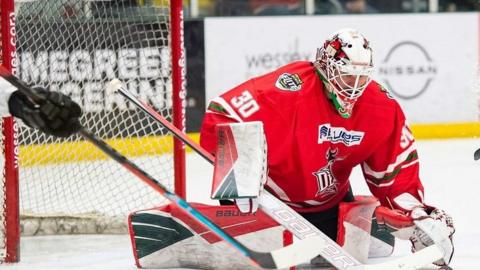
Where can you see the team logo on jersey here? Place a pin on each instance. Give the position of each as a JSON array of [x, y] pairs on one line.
[[327, 183], [327, 133], [289, 82]]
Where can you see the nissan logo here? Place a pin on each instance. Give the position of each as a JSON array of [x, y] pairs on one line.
[[407, 70]]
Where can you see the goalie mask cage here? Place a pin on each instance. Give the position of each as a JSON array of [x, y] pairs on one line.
[[61, 186]]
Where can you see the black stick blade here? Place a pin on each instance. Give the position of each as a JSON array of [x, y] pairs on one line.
[[476, 155]]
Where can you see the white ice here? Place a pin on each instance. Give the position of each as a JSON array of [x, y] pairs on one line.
[[450, 175]]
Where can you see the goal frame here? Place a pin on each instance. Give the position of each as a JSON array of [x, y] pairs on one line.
[[9, 126]]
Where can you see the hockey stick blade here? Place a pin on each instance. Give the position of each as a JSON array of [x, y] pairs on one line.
[[476, 155], [271, 205], [271, 260]]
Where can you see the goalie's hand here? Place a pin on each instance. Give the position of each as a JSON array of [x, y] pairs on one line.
[[434, 226], [55, 113], [423, 226]]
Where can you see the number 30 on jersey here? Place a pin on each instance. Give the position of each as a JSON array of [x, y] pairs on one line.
[[245, 104]]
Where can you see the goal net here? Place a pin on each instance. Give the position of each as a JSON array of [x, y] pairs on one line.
[[75, 47]]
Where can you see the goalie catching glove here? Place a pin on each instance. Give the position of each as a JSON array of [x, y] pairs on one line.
[[240, 164], [423, 226], [55, 113]]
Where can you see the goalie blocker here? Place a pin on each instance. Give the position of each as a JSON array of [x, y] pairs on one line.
[[240, 169]]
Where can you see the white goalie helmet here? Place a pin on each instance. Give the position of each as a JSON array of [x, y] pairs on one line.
[[345, 65]]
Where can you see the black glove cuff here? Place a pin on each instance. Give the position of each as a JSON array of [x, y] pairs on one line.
[[16, 102]]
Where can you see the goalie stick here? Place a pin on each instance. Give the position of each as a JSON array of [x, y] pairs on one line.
[[286, 216], [285, 257]]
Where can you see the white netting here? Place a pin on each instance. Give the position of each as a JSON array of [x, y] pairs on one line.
[[76, 47]]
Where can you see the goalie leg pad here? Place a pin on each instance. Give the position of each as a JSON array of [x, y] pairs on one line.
[[382, 242], [165, 237], [355, 224]]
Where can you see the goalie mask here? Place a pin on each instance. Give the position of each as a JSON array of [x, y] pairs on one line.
[[345, 65]]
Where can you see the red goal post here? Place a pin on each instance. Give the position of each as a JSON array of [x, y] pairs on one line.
[[76, 47]]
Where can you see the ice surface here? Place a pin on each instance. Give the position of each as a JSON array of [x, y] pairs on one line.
[[448, 171]]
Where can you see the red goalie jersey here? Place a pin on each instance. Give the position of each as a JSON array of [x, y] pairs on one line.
[[311, 148]]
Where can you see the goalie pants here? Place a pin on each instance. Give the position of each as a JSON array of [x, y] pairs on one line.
[[327, 220]]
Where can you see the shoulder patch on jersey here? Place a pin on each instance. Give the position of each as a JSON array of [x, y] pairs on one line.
[[289, 82], [385, 90]]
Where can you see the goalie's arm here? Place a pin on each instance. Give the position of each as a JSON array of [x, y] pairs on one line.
[[392, 169], [392, 174]]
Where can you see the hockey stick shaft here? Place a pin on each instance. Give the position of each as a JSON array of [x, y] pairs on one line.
[[116, 86], [263, 259], [283, 214]]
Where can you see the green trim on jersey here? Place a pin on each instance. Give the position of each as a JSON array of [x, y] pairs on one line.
[[389, 176], [213, 106]]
